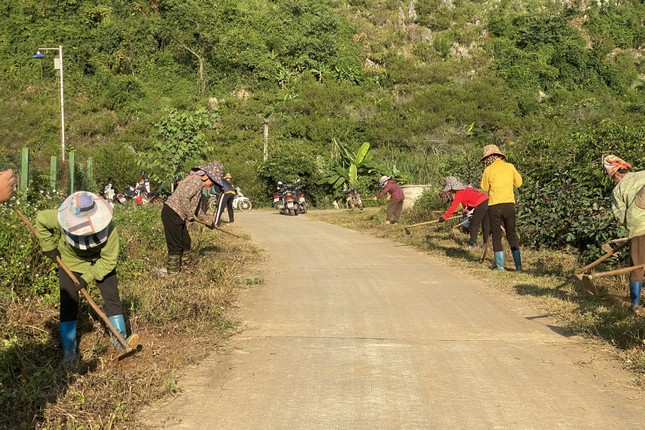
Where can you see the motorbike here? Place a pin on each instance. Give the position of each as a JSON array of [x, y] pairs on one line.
[[278, 201], [289, 199], [109, 193], [301, 201], [241, 202], [139, 193], [353, 198]]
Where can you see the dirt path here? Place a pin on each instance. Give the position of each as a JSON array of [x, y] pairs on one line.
[[354, 332]]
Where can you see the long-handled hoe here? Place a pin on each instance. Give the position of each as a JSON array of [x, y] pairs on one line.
[[587, 280], [407, 227], [218, 229], [128, 348]]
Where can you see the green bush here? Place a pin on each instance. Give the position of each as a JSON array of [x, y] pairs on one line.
[[562, 214]]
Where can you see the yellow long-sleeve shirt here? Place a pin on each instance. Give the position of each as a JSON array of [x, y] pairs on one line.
[[498, 181]]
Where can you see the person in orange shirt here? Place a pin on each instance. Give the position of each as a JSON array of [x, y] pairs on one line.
[[499, 180]]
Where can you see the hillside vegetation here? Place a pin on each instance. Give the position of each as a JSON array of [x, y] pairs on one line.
[[163, 85]]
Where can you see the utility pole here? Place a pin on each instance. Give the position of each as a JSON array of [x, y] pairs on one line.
[[266, 139]]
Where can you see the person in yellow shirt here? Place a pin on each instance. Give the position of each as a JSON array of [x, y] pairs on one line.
[[498, 180]]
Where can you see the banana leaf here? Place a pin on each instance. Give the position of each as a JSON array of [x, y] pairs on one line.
[[362, 153]]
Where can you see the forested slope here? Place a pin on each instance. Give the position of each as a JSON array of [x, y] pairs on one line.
[[427, 83]]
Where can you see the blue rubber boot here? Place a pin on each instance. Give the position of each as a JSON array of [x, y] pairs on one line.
[[635, 294], [118, 322], [517, 258], [499, 260], [68, 341]]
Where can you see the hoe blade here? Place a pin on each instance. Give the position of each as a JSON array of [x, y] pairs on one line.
[[587, 282]]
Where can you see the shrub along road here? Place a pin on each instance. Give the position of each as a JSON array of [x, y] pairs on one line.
[[350, 331]]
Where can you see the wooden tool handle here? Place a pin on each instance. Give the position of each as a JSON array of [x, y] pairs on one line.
[[430, 222], [617, 271], [602, 258]]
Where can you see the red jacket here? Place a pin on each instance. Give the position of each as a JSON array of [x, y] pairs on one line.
[[468, 197], [395, 190]]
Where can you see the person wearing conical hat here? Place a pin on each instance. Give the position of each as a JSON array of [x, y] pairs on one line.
[[628, 206], [82, 233], [499, 180], [468, 197], [394, 208], [186, 204]]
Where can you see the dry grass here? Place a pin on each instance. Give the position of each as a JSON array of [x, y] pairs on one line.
[[180, 320], [547, 282]]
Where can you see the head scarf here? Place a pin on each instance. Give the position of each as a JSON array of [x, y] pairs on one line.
[[613, 164], [453, 184], [490, 160]]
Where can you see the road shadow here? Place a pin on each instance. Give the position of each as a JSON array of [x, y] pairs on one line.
[[562, 331], [605, 316]]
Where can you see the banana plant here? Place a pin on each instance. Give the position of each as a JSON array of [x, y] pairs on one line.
[[350, 166]]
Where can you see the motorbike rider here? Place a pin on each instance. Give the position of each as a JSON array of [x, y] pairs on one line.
[[185, 204], [227, 194]]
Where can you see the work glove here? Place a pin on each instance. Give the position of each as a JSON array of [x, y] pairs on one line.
[[441, 219], [82, 283], [53, 254]]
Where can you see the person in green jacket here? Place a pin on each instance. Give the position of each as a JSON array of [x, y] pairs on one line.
[[81, 232], [628, 206], [498, 181]]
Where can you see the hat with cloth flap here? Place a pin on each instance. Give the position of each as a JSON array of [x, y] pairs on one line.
[[453, 183], [213, 170], [383, 179], [613, 164], [85, 218], [491, 150]]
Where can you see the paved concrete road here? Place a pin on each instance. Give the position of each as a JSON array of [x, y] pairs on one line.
[[354, 332]]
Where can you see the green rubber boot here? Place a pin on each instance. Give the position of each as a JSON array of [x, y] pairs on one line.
[[174, 264], [499, 260], [187, 258]]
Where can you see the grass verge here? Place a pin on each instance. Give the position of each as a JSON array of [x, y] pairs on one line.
[[180, 320], [546, 281]]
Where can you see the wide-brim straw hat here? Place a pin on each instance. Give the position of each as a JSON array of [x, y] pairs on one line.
[[491, 150], [383, 179], [453, 183], [85, 218], [213, 170]]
